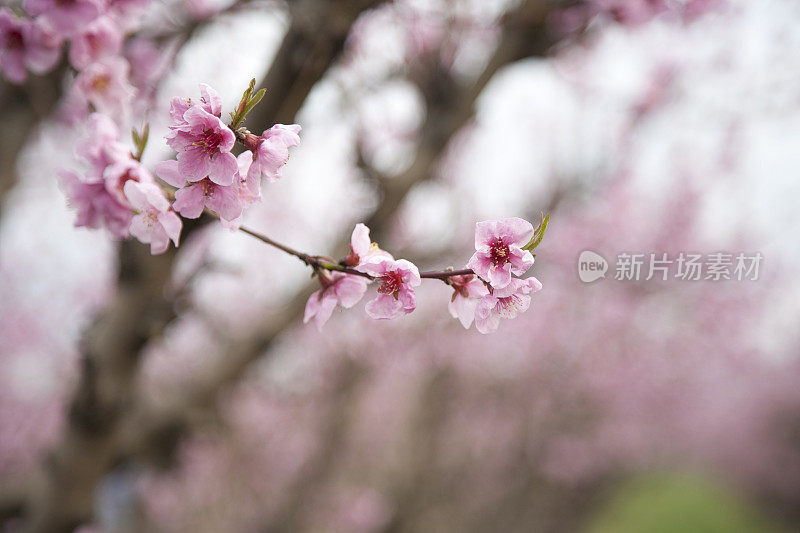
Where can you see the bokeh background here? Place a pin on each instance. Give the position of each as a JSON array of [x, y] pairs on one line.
[[183, 393]]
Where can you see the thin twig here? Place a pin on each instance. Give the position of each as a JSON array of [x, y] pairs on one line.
[[318, 262]]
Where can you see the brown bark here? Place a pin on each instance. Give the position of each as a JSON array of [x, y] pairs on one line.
[[23, 107]]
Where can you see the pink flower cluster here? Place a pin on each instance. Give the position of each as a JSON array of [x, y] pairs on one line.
[[395, 297], [117, 192], [499, 252], [486, 296], [94, 30], [25, 44], [206, 173]]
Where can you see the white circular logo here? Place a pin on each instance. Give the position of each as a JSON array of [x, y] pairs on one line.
[[591, 266]]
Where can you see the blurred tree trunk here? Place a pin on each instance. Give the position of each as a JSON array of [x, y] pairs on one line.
[[23, 107], [104, 397]]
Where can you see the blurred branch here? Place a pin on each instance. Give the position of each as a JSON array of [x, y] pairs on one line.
[[314, 40], [13, 494], [450, 106], [110, 357], [411, 492], [332, 439], [23, 107]]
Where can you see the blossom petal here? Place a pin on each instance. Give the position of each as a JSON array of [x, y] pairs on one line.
[[485, 232], [193, 164], [190, 201], [359, 240], [377, 268], [211, 100], [480, 263], [411, 272], [485, 320], [140, 228], [172, 225], [384, 307], [520, 259], [515, 230], [350, 289], [222, 168], [312, 306], [408, 298], [159, 242], [463, 309], [169, 173], [225, 202], [500, 277], [136, 195], [327, 305]]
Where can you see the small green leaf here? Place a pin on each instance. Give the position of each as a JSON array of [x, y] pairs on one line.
[[145, 135], [538, 234], [253, 102], [140, 141], [246, 95], [238, 117]]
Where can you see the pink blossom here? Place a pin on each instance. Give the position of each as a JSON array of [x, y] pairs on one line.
[[65, 18], [169, 173], [71, 110], [127, 14], [209, 101], [632, 12], [95, 205], [177, 107], [222, 199], [467, 290], [499, 250], [104, 85], [155, 222], [101, 38], [695, 8], [147, 60], [203, 143], [570, 20], [24, 44], [101, 148], [272, 151], [249, 190], [396, 294], [362, 249], [119, 173], [99, 197], [341, 289], [424, 34], [225, 200], [505, 302], [201, 9]]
